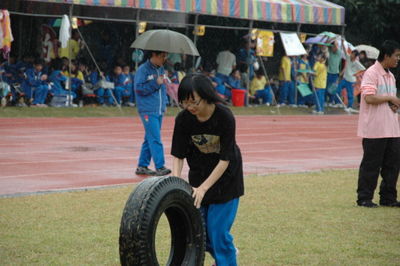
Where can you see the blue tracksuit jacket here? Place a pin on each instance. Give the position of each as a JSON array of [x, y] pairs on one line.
[[151, 98]]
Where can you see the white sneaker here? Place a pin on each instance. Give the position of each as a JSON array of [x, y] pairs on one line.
[[353, 110], [3, 102], [131, 104]]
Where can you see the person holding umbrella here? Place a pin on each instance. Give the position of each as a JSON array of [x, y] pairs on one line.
[[150, 91], [151, 99]]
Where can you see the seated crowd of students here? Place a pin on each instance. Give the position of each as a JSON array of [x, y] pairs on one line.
[[31, 82]]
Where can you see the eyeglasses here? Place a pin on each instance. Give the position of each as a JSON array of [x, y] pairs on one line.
[[185, 105]]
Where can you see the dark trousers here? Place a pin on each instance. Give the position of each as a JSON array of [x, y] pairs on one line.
[[381, 156]]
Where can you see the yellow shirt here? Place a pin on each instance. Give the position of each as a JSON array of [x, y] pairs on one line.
[[181, 75], [303, 77], [257, 84], [64, 52], [284, 70], [321, 74], [78, 76]]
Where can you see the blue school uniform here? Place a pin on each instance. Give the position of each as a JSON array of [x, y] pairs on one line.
[[132, 97], [120, 90], [34, 87], [102, 95], [151, 99], [128, 83], [220, 87], [56, 78]]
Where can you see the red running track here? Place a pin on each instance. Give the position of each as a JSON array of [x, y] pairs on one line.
[[50, 154]]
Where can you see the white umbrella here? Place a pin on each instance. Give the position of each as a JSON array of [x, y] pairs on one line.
[[347, 47], [166, 41], [372, 52], [324, 38]]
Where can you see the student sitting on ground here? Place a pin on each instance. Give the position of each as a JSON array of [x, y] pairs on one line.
[[120, 89], [36, 85], [58, 80], [103, 95], [129, 83], [216, 82], [77, 79], [260, 90]]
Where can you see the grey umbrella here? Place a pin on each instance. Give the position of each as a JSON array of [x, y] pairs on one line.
[[167, 41]]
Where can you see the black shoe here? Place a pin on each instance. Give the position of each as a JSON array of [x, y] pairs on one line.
[[368, 204], [143, 170], [390, 204], [162, 171]]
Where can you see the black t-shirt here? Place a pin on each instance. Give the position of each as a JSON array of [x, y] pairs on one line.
[[204, 144]]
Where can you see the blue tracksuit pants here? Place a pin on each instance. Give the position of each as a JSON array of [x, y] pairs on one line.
[[219, 219], [264, 94], [284, 91], [38, 93], [350, 92], [152, 146], [332, 78], [320, 101], [120, 92]]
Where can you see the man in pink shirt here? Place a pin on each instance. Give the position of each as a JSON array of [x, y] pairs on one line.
[[379, 127]]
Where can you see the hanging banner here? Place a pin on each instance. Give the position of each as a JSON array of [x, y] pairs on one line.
[[142, 26], [265, 43], [303, 37], [292, 44], [74, 23], [199, 30]]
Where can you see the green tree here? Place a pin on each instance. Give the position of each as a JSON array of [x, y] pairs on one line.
[[371, 21]]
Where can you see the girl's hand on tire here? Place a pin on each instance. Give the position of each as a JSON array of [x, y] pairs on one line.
[[198, 195]]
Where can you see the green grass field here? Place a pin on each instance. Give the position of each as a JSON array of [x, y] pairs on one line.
[[285, 219]]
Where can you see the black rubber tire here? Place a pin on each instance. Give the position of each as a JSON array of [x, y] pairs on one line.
[[151, 198]]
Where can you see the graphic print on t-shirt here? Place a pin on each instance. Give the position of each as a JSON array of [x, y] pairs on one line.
[[207, 143]]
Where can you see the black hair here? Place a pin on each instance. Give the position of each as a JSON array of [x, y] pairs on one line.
[[259, 72], [38, 61], [208, 67], [322, 55], [243, 67], [56, 64], [82, 61], [149, 53], [355, 52], [178, 66], [200, 84], [388, 48], [233, 71]]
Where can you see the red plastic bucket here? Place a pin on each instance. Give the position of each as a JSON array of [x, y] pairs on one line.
[[238, 97]]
